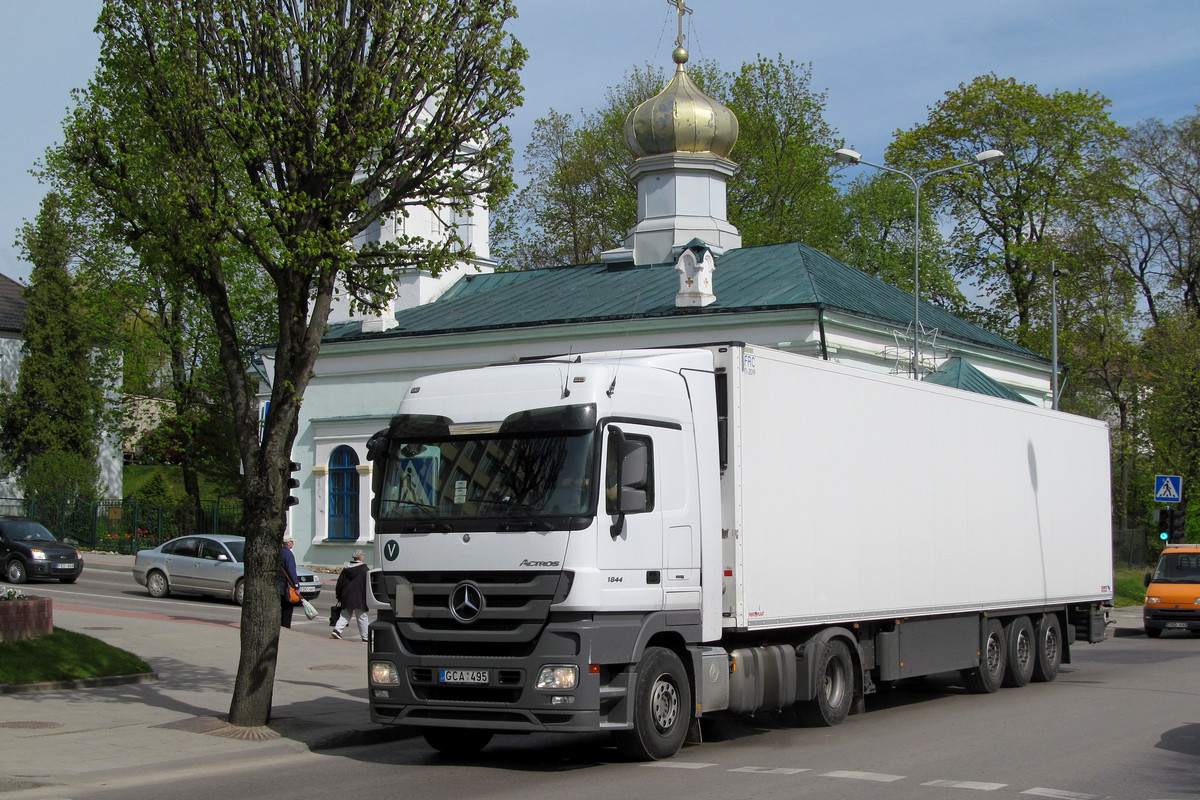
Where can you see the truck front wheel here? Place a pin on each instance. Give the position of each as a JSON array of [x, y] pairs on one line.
[[1049, 649], [662, 708], [835, 686], [987, 677]]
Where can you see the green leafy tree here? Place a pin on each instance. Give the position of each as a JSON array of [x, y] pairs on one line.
[[51, 424], [1173, 400], [132, 245], [578, 199], [877, 238], [1099, 344], [1155, 228], [155, 492], [783, 190], [281, 132], [1061, 163]]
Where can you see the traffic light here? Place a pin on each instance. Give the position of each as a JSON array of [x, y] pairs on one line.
[[1178, 525], [1164, 524], [292, 483]]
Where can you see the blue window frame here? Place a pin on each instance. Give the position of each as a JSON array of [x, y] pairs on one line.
[[343, 494]]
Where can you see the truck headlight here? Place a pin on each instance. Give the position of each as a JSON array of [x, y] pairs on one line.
[[557, 677], [1151, 600], [384, 673], [37, 555]]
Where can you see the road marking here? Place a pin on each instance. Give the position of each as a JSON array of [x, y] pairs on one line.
[[980, 785], [862, 776], [770, 770], [678, 764], [1060, 794]]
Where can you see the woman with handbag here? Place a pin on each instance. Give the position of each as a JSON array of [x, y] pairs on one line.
[[289, 583]]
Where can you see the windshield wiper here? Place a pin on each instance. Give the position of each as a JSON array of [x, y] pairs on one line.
[[430, 512], [524, 516]]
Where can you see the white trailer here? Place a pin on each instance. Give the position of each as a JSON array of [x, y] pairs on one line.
[[633, 541]]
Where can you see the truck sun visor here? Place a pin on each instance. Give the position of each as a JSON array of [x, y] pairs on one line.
[[578, 419]]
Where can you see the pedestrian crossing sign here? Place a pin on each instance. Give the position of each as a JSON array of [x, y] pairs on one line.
[[1168, 488]]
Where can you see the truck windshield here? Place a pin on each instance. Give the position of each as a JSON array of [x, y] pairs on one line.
[[1178, 568], [525, 475]]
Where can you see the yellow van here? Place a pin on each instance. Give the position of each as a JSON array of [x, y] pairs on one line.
[[1173, 591]]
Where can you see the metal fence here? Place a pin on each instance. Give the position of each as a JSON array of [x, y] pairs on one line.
[[1133, 547], [125, 526]]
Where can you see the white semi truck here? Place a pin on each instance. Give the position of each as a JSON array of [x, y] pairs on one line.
[[632, 541]]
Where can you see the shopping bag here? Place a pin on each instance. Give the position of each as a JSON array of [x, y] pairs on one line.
[[309, 610], [334, 613]]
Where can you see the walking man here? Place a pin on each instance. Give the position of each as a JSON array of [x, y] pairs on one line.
[[351, 591]]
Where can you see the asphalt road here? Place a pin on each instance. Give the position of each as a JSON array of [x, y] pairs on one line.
[[1122, 721]]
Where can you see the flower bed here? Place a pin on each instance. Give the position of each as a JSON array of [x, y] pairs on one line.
[[23, 616]]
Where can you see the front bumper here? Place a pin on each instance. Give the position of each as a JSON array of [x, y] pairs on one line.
[[53, 569], [509, 701], [1164, 617]]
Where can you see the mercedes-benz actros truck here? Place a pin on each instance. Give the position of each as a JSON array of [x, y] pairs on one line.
[[635, 541]]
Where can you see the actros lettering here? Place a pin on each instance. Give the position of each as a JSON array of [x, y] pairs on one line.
[[527, 563]]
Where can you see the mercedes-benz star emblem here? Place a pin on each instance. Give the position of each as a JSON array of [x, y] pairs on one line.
[[466, 602]]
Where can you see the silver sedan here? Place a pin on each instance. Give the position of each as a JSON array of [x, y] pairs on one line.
[[209, 565]]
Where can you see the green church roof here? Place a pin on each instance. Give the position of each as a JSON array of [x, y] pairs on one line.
[[745, 280], [960, 374]]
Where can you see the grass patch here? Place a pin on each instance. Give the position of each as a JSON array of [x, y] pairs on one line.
[[1130, 588], [136, 476], [65, 656]]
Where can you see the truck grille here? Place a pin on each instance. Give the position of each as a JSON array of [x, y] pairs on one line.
[[505, 608]]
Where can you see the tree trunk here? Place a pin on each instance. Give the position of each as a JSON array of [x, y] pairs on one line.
[[191, 486], [255, 682]]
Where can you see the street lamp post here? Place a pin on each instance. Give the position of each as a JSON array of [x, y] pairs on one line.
[[1055, 273], [847, 156]]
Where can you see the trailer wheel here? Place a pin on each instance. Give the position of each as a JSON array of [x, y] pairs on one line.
[[989, 675], [456, 741], [1022, 652], [835, 687], [662, 708], [1049, 649]]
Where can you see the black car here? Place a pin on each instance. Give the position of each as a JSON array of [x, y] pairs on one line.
[[28, 550]]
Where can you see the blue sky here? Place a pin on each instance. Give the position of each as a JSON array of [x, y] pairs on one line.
[[882, 62]]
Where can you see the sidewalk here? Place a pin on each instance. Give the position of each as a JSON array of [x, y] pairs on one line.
[[74, 736]]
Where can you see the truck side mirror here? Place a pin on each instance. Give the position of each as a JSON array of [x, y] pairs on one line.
[[1147, 578]]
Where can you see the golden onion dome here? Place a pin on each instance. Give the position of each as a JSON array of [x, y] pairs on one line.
[[681, 119]]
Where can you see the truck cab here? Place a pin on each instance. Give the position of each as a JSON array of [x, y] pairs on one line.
[[1173, 591]]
